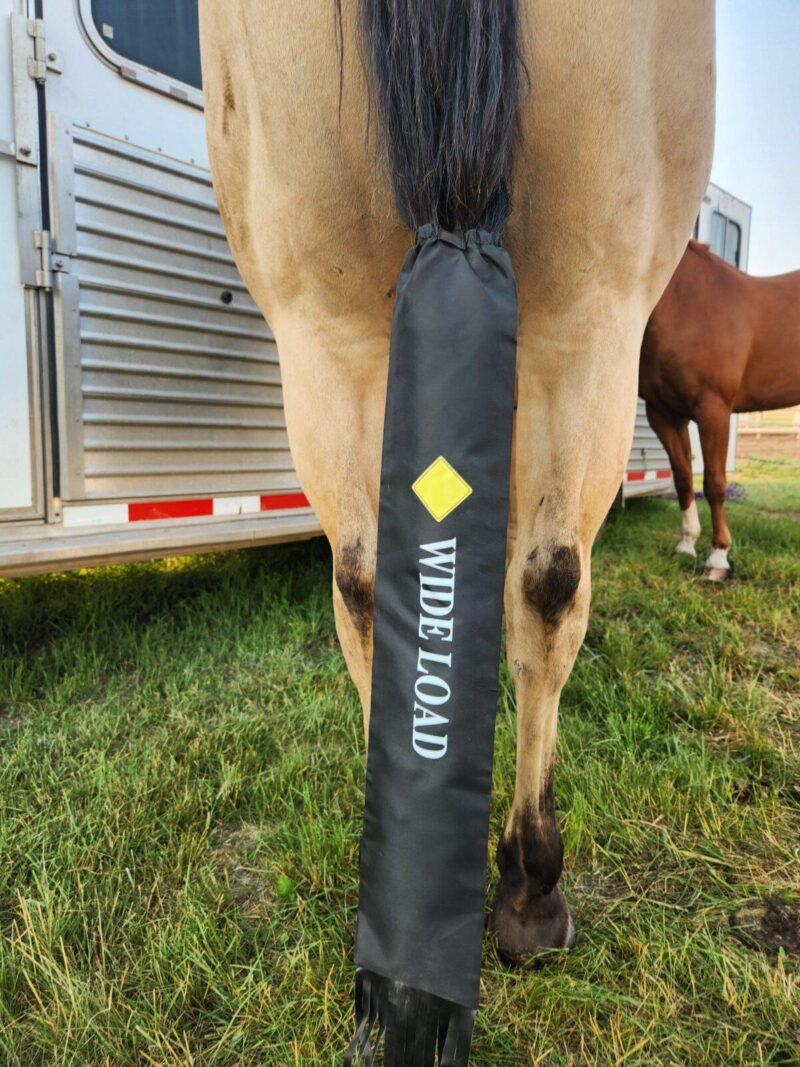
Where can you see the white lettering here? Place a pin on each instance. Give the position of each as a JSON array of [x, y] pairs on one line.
[[435, 628], [439, 561], [429, 746], [426, 744], [434, 589], [438, 691], [437, 600], [432, 657]]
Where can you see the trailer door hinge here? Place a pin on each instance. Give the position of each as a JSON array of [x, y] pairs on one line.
[[44, 273], [50, 262], [43, 58]]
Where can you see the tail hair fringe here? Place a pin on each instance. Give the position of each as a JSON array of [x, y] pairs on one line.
[[408, 1026]]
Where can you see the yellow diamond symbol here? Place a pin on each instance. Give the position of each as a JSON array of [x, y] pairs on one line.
[[441, 488]]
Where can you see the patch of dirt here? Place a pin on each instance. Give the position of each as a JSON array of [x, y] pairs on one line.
[[770, 446], [789, 1059], [767, 925], [235, 849], [746, 790], [777, 655]]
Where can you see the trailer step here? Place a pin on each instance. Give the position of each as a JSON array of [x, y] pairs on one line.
[[34, 550]]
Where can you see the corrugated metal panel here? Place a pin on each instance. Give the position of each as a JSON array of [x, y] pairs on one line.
[[178, 391], [647, 452]]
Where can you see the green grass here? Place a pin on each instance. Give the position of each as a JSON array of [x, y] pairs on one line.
[[180, 792]]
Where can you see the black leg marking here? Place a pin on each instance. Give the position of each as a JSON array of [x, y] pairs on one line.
[[355, 580], [530, 914], [550, 581], [531, 857]]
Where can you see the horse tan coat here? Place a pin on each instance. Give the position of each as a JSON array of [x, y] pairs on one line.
[[614, 157]]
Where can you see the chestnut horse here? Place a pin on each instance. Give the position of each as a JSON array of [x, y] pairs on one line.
[[719, 341], [612, 149]]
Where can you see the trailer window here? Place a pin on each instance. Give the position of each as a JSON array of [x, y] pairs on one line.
[[162, 35], [726, 238]]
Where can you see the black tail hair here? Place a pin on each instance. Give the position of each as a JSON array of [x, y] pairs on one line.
[[445, 76]]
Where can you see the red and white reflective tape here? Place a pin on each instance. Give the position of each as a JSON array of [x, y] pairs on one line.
[[150, 510], [647, 476]]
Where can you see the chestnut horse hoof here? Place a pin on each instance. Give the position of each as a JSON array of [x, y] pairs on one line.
[[685, 548], [532, 933], [718, 574]]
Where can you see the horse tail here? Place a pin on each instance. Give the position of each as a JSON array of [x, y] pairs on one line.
[[444, 78], [444, 81]]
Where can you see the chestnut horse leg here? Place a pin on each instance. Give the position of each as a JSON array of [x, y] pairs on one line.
[[713, 421], [673, 433]]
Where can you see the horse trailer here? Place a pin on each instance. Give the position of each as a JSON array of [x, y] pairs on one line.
[[141, 411]]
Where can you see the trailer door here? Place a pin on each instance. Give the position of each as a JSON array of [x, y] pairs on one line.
[[168, 380], [21, 498]]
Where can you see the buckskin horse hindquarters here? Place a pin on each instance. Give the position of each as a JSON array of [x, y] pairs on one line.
[[438, 608]]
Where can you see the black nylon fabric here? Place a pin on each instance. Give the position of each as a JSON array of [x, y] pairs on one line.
[[424, 845]]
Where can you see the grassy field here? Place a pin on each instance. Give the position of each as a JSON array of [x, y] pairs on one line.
[[180, 792]]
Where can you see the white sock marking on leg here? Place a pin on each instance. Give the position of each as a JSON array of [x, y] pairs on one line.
[[719, 559], [690, 530]]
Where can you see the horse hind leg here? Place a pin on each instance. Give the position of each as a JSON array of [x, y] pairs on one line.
[[673, 433], [560, 497], [547, 603], [684, 485], [713, 421], [334, 387]]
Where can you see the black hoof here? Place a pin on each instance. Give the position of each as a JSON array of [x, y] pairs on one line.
[[529, 932]]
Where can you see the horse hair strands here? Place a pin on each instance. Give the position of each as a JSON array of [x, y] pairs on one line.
[[417, 1027], [444, 78]]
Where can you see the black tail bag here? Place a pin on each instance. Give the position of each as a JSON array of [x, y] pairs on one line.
[[438, 610]]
